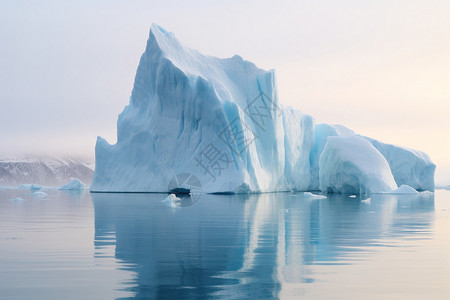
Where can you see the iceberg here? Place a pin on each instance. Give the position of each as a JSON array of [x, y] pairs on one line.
[[218, 122], [31, 187], [75, 184], [39, 194], [352, 165], [217, 119]]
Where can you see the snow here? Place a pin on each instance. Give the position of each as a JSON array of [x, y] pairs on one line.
[[75, 184], [351, 165], [41, 170], [220, 120], [172, 201]]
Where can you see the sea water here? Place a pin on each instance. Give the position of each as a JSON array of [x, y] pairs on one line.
[[77, 245]]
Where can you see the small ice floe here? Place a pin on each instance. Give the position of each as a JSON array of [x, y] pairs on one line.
[[17, 199], [31, 187], [39, 194], [75, 184], [172, 201], [442, 187], [366, 201], [313, 196], [426, 194]]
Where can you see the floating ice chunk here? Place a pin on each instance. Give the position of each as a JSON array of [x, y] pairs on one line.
[[39, 194], [443, 187], [32, 187], [404, 189], [75, 184], [17, 199], [366, 201], [352, 165], [313, 196], [172, 201], [426, 194]]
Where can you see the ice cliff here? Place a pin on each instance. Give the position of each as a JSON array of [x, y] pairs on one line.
[[220, 121]]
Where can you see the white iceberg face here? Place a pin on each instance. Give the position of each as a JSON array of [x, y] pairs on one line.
[[408, 166], [321, 134], [352, 165], [218, 119]]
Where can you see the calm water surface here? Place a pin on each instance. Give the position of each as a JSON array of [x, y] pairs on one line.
[[271, 246]]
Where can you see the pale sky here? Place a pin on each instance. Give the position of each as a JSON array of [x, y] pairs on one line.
[[379, 67]]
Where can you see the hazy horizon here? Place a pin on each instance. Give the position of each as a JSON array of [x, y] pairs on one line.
[[381, 69]]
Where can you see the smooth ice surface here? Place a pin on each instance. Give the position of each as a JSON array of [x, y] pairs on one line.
[[218, 119], [75, 184], [267, 246], [408, 166], [404, 189], [352, 165], [321, 134]]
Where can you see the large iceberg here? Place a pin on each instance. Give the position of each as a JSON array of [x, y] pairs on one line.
[[217, 119], [219, 123]]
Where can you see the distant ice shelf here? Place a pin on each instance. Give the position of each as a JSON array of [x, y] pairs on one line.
[[221, 122]]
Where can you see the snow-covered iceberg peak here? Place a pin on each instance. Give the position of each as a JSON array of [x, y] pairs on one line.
[[217, 119]]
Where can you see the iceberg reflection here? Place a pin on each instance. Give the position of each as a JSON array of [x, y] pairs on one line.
[[247, 246]]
